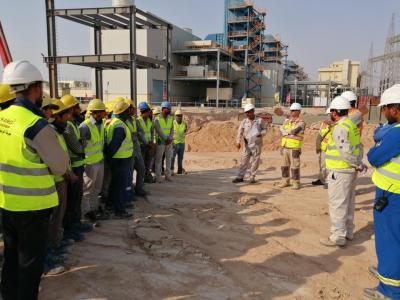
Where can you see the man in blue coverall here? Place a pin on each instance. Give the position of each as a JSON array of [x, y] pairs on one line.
[[385, 158]]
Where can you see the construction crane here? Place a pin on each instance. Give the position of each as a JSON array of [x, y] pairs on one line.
[[5, 53]]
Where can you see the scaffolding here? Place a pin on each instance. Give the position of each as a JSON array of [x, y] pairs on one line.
[[244, 32], [106, 18], [389, 61]]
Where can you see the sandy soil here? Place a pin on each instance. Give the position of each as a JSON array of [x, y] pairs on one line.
[[201, 237]]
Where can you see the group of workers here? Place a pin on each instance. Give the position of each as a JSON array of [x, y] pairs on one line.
[[62, 170], [340, 154]]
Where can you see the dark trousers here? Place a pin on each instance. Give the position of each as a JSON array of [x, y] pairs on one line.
[[74, 202], [25, 237], [120, 169], [179, 150], [148, 157]]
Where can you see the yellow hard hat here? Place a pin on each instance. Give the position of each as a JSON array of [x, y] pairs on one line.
[[120, 107], [61, 107], [130, 102], [109, 107], [118, 99], [156, 111], [178, 113], [49, 103], [96, 105], [6, 94], [69, 101]]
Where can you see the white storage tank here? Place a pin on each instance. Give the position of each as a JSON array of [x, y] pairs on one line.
[[122, 3]]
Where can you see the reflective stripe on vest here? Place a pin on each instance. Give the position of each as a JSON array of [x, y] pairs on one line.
[[95, 146], [131, 123], [179, 132], [63, 144], [387, 176], [292, 141], [25, 182], [333, 160], [75, 161], [326, 133], [166, 125], [147, 127], [388, 281], [126, 148]]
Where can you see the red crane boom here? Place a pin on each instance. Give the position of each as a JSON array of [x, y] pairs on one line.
[[5, 53]]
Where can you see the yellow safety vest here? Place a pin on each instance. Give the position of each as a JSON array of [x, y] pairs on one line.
[[333, 160], [165, 125], [25, 181], [75, 162], [131, 123], [387, 176], [63, 144], [292, 141], [147, 127], [126, 148], [179, 132], [95, 146], [326, 134]]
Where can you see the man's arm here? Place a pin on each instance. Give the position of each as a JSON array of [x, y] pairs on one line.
[[46, 144], [385, 150], [263, 127], [85, 133], [240, 132], [140, 133], [282, 130], [72, 141], [299, 128]]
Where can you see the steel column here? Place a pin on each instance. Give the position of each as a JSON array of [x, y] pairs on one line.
[[52, 48], [168, 69], [218, 71], [132, 49], [98, 70]]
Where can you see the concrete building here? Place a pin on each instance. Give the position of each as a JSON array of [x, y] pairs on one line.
[[343, 72]]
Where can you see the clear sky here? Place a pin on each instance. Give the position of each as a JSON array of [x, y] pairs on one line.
[[317, 31]]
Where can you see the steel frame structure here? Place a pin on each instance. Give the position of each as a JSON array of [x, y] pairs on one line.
[[106, 18]]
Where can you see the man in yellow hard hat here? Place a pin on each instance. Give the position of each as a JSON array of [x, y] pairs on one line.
[[180, 129], [138, 162], [7, 96], [47, 107], [30, 155], [119, 155], [147, 144], [72, 136], [54, 259], [93, 137]]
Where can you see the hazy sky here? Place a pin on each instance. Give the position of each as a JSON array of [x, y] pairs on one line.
[[317, 31]]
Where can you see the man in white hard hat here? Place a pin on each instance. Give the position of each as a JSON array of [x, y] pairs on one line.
[[30, 156], [292, 132], [252, 129], [385, 158], [354, 113], [343, 159]]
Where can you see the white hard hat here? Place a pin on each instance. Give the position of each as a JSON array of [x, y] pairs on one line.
[[391, 96], [295, 106], [21, 73], [249, 107], [349, 95], [340, 103]]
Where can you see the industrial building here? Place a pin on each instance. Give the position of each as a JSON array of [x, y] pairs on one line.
[[344, 72]]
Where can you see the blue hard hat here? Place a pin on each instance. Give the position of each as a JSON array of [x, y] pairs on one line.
[[166, 105], [143, 106]]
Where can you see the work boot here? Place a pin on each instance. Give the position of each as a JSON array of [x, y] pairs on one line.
[[284, 183], [296, 185], [159, 180], [317, 182], [329, 243], [237, 180], [168, 178], [373, 271], [141, 193], [253, 180], [375, 294]]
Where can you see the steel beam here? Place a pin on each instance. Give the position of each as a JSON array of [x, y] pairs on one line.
[[132, 53], [98, 70], [51, 48]]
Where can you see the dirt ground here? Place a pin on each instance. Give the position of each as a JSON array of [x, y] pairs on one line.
[[202, 237]]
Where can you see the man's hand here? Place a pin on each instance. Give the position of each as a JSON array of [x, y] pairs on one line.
[[238, 146], [168, 142], [362, 169]]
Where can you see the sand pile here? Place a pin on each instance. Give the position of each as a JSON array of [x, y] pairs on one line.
[[211, 133]]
